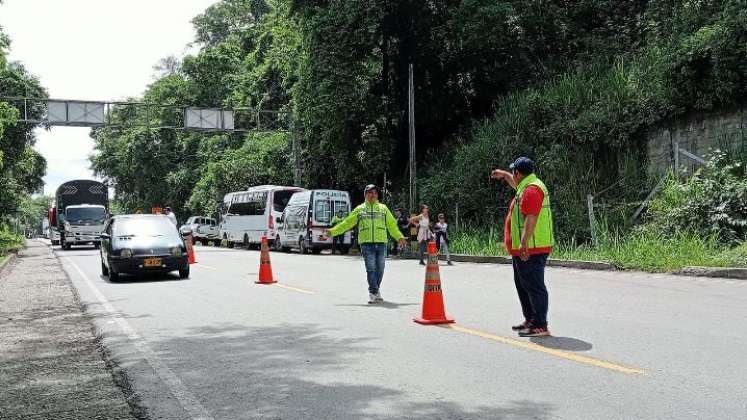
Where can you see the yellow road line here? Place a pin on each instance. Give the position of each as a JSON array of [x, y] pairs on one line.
[[295, 289], [554, 352]]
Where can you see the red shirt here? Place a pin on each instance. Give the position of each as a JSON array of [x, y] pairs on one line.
[[531, 203]]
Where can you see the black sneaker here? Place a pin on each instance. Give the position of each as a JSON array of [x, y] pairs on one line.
[[422, 263], [523, 326], [535, 332]]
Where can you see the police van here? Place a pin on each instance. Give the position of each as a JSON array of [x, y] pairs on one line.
[[306, 217]]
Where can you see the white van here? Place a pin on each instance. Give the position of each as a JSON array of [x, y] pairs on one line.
[[306, 217], [248, 215]]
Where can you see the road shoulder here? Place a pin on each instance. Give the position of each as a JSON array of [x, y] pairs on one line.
[[51, 364]]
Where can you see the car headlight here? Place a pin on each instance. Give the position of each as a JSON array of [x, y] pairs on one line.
[[176, 251], [125, 253]]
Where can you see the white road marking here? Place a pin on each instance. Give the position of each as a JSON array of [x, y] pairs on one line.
[[186, 399]]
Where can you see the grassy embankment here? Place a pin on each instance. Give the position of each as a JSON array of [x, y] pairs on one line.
[[642, 251]]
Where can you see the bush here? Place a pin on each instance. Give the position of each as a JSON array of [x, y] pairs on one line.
[[9, 241], [713, 202]]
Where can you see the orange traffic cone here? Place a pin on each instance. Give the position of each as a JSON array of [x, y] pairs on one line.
[[190, 249], [433, 298], [265, 268]]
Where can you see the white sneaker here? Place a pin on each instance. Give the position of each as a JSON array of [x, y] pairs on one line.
[[371, 298], [379, 298]]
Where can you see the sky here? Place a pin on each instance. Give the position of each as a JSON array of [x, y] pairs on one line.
[[100, 50]]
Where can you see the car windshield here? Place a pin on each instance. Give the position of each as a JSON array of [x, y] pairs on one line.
[[144, 226], [86, 214]]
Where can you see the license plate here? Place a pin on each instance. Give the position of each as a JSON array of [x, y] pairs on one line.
[[152, 262]]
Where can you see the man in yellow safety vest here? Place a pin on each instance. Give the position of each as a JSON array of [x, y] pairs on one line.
[[375, 223], [528, 236]]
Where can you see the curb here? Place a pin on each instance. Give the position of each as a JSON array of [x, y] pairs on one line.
[[582, 265], [721, 272]]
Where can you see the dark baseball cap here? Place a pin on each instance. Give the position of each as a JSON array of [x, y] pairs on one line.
[[370, 187], [523, 165]]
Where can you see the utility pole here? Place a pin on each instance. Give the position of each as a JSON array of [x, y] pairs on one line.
[[411, 114]]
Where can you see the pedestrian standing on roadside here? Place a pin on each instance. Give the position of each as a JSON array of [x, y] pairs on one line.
[[170, 214], [442, 237], [402, 224], [528, 236], [374, 221], [423, 222], [337, 240]]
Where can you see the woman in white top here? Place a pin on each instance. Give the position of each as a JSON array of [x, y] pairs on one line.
[[423, 222]]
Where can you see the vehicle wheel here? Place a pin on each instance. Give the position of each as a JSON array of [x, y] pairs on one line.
[[204, 242], [246, 241], [229, 244], [277, 246], [184, 273], [217, 243], [316, 251], [302, 246], [104, 270], [345, 250], [96, 245], [113, 276]]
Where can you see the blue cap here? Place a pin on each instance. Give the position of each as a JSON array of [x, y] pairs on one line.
[[524, 165]]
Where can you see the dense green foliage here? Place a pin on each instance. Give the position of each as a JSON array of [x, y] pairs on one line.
[[712, 203], [21, 167], [9, 241], [575, 85], [585, 127]]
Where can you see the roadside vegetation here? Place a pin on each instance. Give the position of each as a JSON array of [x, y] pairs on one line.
[[21, 167]]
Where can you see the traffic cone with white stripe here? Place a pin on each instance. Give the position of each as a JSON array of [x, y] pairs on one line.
[[265, 267], [433, 298]]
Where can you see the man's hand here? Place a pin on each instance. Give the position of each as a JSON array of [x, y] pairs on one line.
[[499, 174], [402, 243], [523, 252]]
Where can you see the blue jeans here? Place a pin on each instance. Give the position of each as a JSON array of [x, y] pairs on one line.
[[529, 277], [375, 257]]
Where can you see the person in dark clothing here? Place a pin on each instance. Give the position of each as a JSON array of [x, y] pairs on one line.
[[402, 223]]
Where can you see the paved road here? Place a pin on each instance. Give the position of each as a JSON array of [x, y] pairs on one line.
[[626, 346]]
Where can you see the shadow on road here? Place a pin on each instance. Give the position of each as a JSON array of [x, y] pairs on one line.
[[385, 304], [301, 371], [143, 278], [562, 343]]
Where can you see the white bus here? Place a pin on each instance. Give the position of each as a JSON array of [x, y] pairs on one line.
[[248, 215], [308, 215]]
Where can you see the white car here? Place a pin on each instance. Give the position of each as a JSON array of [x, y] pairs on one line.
[[204, 230]]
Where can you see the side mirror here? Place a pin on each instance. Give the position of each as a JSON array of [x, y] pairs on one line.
[[104, 236], [185, 231], [279, 219]]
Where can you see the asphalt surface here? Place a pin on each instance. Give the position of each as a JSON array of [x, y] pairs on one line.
[[51, 366], [625, 345]]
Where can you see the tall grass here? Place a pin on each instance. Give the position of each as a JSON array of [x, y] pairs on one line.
[[641, 250]]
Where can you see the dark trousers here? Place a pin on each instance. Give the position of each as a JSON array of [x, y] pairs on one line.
[[529, 277], [337, 243]]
